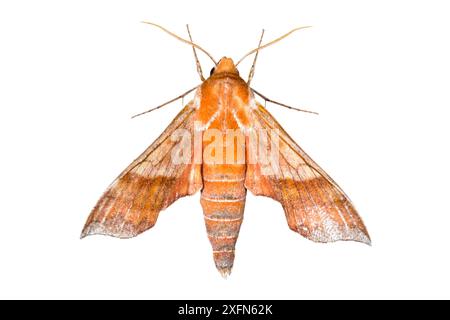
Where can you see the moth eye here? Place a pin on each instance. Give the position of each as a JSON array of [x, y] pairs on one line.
[[212, 71]]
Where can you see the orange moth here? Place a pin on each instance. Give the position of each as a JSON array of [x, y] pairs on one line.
[[222, 144]]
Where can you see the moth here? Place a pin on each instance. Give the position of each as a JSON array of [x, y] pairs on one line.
[[224, 143]]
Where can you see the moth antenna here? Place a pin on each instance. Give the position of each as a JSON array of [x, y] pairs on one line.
[[270, 43], [252, 69], [281, 104], [197, 62], [181, 39], [165, 103]]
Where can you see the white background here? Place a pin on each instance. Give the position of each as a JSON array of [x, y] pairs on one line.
[[73, 72]]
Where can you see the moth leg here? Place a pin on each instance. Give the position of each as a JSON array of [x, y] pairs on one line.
[[281, 104], [252, 69], [197, 62], [181, 96]]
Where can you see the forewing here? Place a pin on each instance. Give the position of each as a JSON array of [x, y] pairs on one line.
[[315, 206], [150, 184]]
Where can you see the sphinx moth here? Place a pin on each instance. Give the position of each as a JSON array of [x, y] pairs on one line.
[[224, 143]]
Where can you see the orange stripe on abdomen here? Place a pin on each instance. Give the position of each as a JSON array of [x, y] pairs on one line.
[[223, 201]]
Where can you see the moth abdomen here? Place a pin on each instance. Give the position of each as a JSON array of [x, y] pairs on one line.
[[223, 202]]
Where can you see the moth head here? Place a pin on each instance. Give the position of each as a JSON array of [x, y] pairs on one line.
[[225, 65]]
